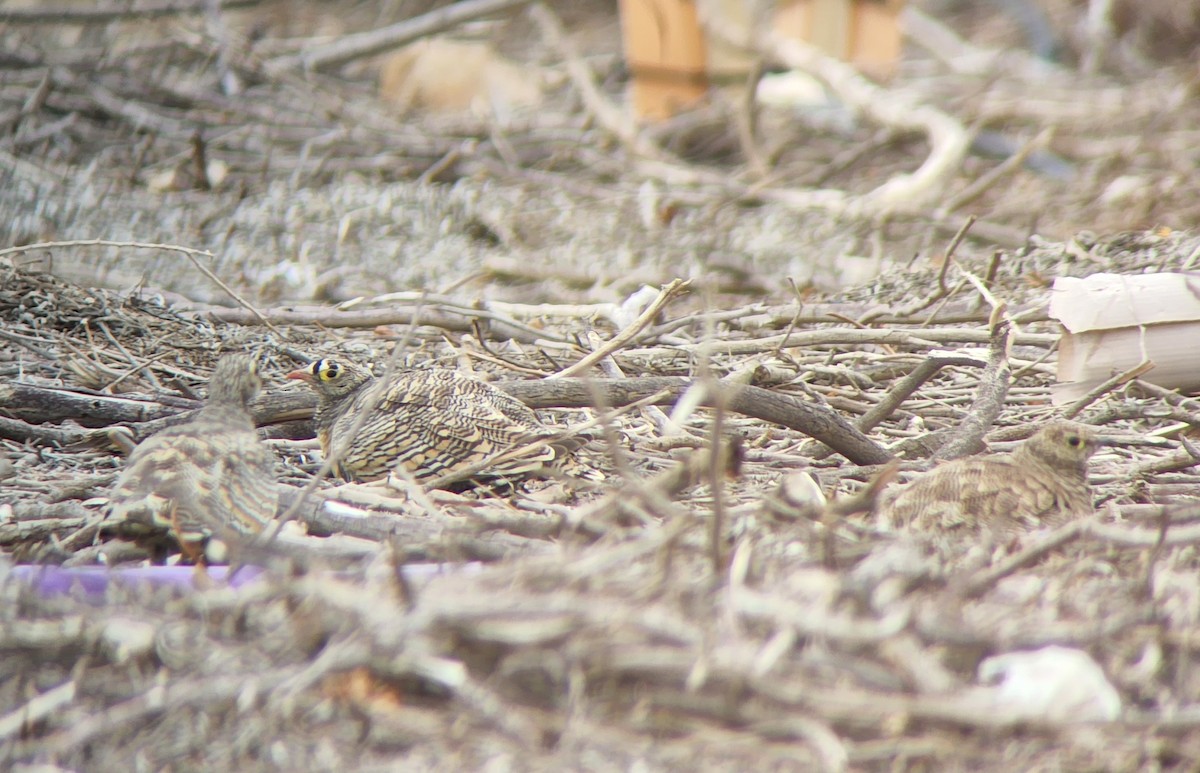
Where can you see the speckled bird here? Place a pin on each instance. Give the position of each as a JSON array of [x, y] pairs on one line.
[[210, 476], [1043, 482], [432, 423]]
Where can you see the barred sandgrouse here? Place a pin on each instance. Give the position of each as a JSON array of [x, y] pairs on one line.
[[1043, 482], [208, 477], [430, 422]]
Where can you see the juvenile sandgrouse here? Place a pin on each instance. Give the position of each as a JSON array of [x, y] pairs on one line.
[[208, 477], [432, 423], [1043, 482]]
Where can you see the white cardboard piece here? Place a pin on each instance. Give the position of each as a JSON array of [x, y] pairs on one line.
[[1113, 322]]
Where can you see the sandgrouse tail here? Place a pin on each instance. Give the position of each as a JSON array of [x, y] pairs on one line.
[[1041, 483], [208, 477], [432, 423]]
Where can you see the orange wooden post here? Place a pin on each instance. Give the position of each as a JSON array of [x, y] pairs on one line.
[[865, 33], [665, 51], [875, 45], [668, 56]]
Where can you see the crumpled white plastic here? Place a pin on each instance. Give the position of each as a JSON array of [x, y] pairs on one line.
[[1056, 684]]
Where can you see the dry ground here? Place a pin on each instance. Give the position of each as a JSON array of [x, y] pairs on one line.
[[692, 610]]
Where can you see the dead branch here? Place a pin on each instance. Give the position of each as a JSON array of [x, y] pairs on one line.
[[989, 400], [46, 403], [986, 579], [921, 338], [907, 386], [947, 138], [15, 429], [1009, 166], [419, 538], [813, 420], [454, 320], [1106, 386]]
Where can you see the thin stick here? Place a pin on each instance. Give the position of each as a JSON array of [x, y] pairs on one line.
[[951, 249], [130, 359], [37, 708], [629, 333], [718, 464], [993, 176], [1142, 538], [904, 388], [447, 317], [144, 366], [982, 581], [983, 290], [1098, 391], [612, 369], [778, 353], [942, 290]]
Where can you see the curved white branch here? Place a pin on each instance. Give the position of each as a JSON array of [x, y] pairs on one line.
[[947, 138]]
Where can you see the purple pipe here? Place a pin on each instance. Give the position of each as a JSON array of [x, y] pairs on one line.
[[93, 581]]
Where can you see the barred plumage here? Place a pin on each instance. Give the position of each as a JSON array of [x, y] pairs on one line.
[[432, 423], [211, 476], [1041, 483]]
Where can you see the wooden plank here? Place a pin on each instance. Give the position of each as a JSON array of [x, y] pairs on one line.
[[876, 39], [665, 50], [672, 64], [831, 25]]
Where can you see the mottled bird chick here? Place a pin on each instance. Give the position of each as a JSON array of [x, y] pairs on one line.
[[1041, 483], [208, 477], [431, 423]]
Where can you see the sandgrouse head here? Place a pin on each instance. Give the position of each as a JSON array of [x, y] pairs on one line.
[[235, 381], [1061, 445], [332, 379]]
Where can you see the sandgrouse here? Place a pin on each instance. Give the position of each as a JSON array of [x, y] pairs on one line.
[[432, 423], [1043, 482], [208, 477]]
